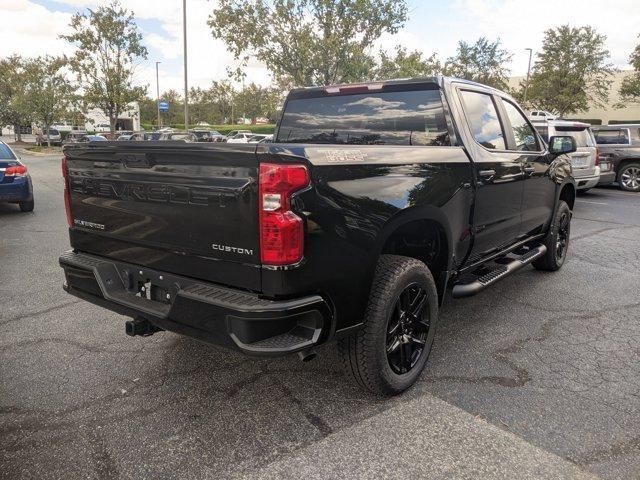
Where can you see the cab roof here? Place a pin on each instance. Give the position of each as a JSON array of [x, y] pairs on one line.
[[438, 81]]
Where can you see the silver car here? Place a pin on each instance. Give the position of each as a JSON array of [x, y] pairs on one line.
[[584, 161], [55, 138]]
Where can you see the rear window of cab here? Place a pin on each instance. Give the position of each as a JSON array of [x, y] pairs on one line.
[[413, 117]]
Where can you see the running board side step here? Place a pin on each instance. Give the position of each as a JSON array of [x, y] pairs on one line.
[[462, 290]]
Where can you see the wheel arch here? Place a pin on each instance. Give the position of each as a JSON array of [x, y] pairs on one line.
[[567, 193], [422, 233]]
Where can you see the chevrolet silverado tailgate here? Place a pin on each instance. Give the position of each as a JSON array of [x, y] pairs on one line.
[[185, 208]]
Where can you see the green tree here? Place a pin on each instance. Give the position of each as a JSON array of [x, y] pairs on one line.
[[630, 88], [47, 90], [14, 109], [255, 101], [571, 72], [403, 64], [200, 105], [175, 114], [307, 42], [109, 48], [148, 110], [483, 62], [223, 96]]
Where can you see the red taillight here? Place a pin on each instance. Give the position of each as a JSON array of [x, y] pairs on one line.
[[67, 193], [598, 159], [281, 230], [17, 171]]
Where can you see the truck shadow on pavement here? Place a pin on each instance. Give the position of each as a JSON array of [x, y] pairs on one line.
[[7, 209], [171, 403]]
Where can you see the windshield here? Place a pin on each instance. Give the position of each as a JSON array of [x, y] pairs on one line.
[[582, 136], [381, 118]]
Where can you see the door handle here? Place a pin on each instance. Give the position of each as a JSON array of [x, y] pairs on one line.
[[487, 173]]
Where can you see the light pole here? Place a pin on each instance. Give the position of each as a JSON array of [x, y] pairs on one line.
[[158, 92], [186, 93], [526, 87]]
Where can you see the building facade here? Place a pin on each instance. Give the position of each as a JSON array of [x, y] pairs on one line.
[[608, 114]]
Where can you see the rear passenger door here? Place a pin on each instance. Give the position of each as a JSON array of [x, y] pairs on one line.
[[498, 172], [538, 198]]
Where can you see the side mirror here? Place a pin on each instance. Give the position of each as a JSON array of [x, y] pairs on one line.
[[562, 144]]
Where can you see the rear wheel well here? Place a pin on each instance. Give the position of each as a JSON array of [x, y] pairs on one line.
[[424, 240], [568, 194]]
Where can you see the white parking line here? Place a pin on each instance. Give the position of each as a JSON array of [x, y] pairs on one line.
[[619, 193], [587, 201]]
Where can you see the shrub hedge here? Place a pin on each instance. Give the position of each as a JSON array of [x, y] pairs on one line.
[[618, 122]]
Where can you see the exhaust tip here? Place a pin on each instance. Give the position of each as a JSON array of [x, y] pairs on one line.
[[129, 328], [307, 355]]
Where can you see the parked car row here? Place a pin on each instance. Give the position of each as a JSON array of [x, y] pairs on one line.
[[604, 155], [193, 136], [83, 137], [619, 145], [55, 137]]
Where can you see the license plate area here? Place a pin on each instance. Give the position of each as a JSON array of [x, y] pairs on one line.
[[579, 162], [151, 287]]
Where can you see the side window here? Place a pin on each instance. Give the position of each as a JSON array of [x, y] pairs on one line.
[[526, 139], [624, 136], [483, 119], [611, 137], [543, 130]]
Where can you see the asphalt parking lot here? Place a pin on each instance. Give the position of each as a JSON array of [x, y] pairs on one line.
[[538, 377]]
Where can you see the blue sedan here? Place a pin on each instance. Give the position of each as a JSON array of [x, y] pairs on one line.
[[15, 182]]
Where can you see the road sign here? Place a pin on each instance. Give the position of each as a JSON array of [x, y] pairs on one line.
[[163, 106]]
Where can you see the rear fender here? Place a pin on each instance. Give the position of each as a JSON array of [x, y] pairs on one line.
[[427, 212]]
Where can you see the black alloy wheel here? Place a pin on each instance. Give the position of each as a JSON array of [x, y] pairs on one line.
[[407, 329], [390, 351], [556, 240], [562, 238]]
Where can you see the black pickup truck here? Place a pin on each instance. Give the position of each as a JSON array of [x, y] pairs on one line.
[[373, 201]]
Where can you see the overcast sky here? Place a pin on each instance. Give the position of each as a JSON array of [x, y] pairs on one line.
[[31, 28]]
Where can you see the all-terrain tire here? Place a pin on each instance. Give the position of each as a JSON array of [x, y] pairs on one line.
[[556, 241], [364, 353]]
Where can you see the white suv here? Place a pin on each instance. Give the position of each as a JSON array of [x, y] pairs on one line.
[[541, 115], [584, 161]]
